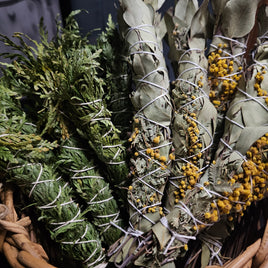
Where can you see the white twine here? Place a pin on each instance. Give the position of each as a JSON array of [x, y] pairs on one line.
[[51, 204], [88, 103], [175, 235], [196, 66], [256, 99], [231, 39], [234, 122], [64, 223], [85, 169], [86, 177], [37, 179], [108, 132], [91, 202], [211, 193], [145, 42], [210, 242], [140, 212], [147, 184], [111, 146], [140, 28], [188, 51], [119, 98], [152, 121], [101, 256], [186, 209], [107, 216], [81, 241], [74, 148]]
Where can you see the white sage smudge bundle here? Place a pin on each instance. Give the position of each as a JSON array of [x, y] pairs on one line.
[[150, 140], [250, 140], [237, 177], [230, 48], [226, 53], [195, 117]]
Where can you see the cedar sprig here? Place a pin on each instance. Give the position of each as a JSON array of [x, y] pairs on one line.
[[116, 73], [64, 75], [92, 187]]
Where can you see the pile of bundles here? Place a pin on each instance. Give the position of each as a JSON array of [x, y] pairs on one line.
[[124, 167]]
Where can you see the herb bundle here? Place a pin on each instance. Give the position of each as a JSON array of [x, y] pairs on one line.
[[237, 177], [150, 139], [82, 172], [198, 152], [92, 188], [23, 155], [227, 54], [195, 117], [64, 75], [115, 71], [221, 192]]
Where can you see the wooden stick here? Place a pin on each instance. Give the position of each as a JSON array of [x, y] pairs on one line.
[[243, 258], [25, 221], [25, 244], [41, 251], [11, 254], [263, 249], [248, 264], [7, 197], [13, 227], [12, 216], [4, 212], [25, 258], [37, 247], [264, 264]]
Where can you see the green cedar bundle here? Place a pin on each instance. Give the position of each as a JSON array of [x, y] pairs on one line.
[[116, 74], [26, 161], [64, 74], [92, 187], [89, 184]]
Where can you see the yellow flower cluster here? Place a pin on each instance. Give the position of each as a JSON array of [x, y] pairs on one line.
[[191, 175], [261, 92], [252, 183], [194, 147], [155, 154], [134, 134], [223, 80]]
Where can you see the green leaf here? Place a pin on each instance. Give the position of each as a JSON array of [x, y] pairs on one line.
[[239, 17]]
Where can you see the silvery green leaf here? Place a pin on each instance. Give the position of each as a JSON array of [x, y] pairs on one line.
[[239, 17], [156, 4], [199, 26], [185, 10]]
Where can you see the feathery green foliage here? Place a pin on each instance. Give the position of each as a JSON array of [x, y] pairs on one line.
[[69, 92]]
